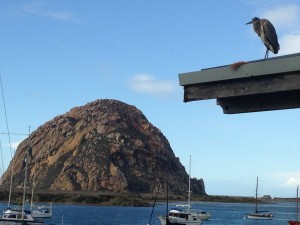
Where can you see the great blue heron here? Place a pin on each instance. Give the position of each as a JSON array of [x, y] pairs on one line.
[[267, 33]]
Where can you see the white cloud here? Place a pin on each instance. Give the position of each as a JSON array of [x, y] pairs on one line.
[[289, 44], [40, 8], [287, 179], [14, 145], [292, 182], [283, 17], [145, 83]]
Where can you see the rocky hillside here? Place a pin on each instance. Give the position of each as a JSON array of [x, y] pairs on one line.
[[105, 145]]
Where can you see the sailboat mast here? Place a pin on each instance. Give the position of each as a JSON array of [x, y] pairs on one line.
[[11, 181], [297, 205], [25, 178], [31, 202], [189, 194], [167, 198], [25, 184], [256, 194]]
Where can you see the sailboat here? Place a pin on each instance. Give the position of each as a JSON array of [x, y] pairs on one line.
[[20, 217], [259, 215], [295, 222], [15, 216], [202, 215], [177, 216], [39, 211]]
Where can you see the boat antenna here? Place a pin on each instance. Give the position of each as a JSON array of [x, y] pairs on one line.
[[8, 134]]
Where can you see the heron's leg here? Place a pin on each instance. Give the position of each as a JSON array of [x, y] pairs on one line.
[[267, 54]]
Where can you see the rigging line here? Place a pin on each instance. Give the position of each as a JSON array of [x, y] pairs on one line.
[[6, 120], [154, 205], [14, 133], [159, 185], [2, 164], [11, 154]]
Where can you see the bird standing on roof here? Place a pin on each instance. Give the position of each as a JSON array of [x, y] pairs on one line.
[[267, 33]]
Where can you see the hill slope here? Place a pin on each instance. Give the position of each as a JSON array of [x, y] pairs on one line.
[[105, 145]]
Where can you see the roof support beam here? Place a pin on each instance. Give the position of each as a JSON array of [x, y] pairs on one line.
[[260, 102]]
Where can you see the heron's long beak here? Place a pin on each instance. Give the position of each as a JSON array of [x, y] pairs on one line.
[[249, 23]]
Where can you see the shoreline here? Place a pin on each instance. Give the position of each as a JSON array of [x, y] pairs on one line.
[[128, 199]]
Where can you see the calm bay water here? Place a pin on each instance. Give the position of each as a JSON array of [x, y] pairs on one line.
[[223, 214]]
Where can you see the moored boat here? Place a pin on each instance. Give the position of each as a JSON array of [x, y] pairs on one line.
[[14, 216], [202, 215], [292, 222], [259, 215], [295, 222], [41, 211], [179, 217], [18, 217]]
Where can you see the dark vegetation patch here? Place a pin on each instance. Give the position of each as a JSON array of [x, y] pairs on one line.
[[121, 199]]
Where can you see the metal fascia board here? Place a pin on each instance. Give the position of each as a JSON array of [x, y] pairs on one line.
[[250, 69]]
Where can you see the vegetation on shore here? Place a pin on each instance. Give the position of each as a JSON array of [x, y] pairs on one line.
[[120, 199]]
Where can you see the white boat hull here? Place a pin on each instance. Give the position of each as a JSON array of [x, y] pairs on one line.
[[12, 222], [17, 217], [163, 220], [41, 215], [201, 215], [178, 221], [259, 217], [183, 221], [41, 211]]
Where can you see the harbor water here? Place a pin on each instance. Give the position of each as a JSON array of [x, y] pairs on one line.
[[222, 214]]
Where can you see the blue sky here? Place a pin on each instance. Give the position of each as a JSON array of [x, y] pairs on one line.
[[56, 55]]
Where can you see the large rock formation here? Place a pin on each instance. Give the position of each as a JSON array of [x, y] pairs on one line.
[[106, 145]]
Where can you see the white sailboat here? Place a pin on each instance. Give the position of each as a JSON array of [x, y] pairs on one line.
[[39, 211], [178, 217], [259, 215], [16, 216], [20, 217], [202, 215]]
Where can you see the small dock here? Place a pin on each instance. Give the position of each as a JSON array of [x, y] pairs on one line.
[[254, 86]]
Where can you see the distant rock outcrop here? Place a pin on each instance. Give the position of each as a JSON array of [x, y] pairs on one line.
[[106, 145]]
